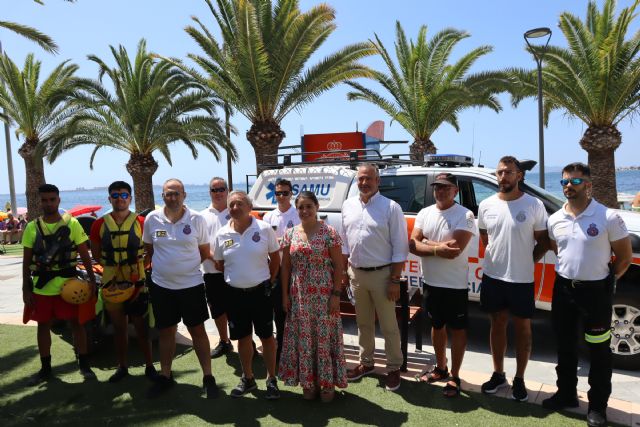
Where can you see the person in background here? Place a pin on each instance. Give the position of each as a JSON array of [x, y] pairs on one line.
[[311, 278], [281, 219], [376, 245], [176, 241], [51, 244], [583, 234], [440, 236], [12, 231], [115, 238], [247, 250], [635, 204], [513, 229]]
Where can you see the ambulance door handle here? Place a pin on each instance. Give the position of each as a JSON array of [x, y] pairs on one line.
[[324, 216]]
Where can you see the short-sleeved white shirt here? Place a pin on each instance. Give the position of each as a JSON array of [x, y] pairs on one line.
[[510, 226], [246, 255], [176, 257], [282, 220], [439, 226], [584, 242], [215, 220]]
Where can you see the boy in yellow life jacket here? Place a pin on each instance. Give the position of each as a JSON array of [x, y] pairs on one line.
[[51, 244], [116, 243]]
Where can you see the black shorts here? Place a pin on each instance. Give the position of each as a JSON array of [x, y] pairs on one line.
[[446, 306], [497, 295], [249, 309], [216, 289], [172, 305]]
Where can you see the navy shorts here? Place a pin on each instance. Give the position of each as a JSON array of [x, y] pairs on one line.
[[446, 306], [172, 305], [248, 310], [498, 295], [216, 289]]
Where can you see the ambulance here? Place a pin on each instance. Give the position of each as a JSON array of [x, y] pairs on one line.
[[333, 181]]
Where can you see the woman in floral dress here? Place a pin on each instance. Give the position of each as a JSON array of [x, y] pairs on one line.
[[311, 273]]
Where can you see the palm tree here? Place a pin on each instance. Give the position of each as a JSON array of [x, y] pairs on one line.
[[40, 113], [596, 79], [154, 104], [43, 40], [263, 76], [425, 90]]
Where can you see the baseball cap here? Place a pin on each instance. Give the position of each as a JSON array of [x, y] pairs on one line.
[[445, 179]]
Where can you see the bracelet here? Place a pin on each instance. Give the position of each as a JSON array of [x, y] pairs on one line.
[[336, 292]]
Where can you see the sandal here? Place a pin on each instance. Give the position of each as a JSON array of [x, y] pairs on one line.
[[452, 390], [327, 395], [435, 375]]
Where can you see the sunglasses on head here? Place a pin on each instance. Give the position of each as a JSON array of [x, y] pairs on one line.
[[218, 190], [574, 181], [123, 196], [282, 193]]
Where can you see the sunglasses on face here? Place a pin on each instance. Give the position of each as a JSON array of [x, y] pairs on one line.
[[218, 190], [282, 193], [123, 196], [574, 181]]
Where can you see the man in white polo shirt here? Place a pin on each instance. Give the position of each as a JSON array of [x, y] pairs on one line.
[[176, 242], [247, 250], [513, 229], [447, 228], [284, 217], [217, 216], [375, 242], [583, 234]]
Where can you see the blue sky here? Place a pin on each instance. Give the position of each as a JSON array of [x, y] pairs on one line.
[[90, 26]]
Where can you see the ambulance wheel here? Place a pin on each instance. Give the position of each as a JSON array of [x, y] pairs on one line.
[[625, 330]]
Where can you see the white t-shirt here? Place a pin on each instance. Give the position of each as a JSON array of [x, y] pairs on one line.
[[176, 257], [510, 226], [215, 220], [439, 226], [282, 220], [246, 255], [584, 242]]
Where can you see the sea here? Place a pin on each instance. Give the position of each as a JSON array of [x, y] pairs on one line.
[[628, 182]]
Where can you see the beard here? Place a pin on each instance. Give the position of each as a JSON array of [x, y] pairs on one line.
[[506, 187]]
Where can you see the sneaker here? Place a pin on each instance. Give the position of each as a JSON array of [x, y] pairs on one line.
[[39, 377], [221, 349], [596, 418], [558, 402], [273, 393], [161, 385], [209, 386], [87, 373], [245, 386], [518, 390], [151, 373], [119, 374], [359, 372], [392, 382], [496, 382]]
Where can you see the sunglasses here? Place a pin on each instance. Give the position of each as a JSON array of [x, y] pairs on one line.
[[123, 196], [574, 181], [283, 193], [218, 190]]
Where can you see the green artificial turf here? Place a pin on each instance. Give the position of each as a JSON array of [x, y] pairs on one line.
[[67, 400]]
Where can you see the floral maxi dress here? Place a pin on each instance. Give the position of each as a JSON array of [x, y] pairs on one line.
[[313, 351]]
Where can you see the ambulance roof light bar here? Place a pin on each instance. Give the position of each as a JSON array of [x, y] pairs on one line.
[[447, 160]]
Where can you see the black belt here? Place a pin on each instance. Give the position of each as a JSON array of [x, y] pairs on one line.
[[373, 268], [251, 289], [579, 283]]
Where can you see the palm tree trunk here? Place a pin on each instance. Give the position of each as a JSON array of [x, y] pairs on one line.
[[34, 171], [265, 137], [418, 149], [600, 143], [141, 167]]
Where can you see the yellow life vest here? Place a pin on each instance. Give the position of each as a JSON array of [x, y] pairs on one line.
[[122, 250]]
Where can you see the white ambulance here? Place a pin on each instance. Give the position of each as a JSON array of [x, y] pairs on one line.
[[410, 186]]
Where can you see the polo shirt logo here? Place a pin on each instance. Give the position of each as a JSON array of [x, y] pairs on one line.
[[290, 224], [227, 217], [228, 243], [256, 237], [187, 229], [161, 233], [521, 217], [592, 230]]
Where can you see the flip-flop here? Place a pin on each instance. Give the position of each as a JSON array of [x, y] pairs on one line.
[[450, 390]]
